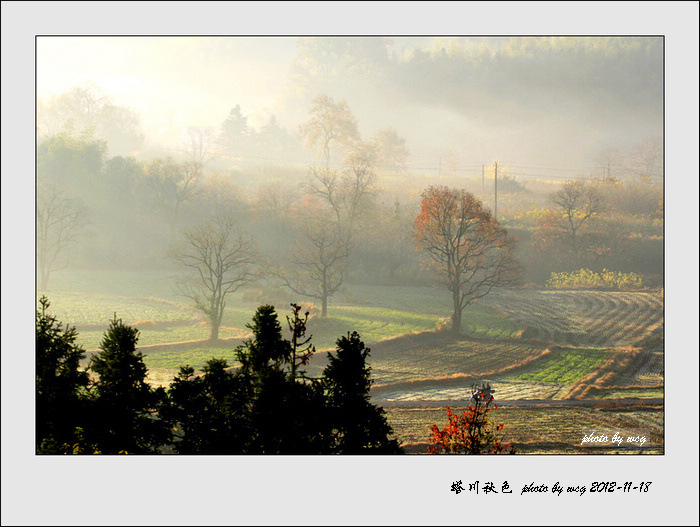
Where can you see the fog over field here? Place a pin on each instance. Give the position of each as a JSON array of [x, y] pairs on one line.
[[143, 138]]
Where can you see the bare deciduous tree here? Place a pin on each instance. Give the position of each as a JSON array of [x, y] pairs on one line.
[[358, 181], [579, 203], [221, 259], [274, 203], [347, 193], [385, 242], [326, 238], [646, 156], [608, 162], [197, 145], [318, 262], [59, 223]]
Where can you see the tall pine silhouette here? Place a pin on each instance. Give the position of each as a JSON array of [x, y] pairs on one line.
[[124, 404], [360, 427]]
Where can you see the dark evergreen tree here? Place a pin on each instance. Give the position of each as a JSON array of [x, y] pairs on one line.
[[360, 427], [289, 417], [236, 137], [123, 413], [287, 414], [208, 413], [60, 383], [270, 406], [267, 349]]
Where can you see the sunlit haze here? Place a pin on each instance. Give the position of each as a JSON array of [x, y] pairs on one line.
[[549, 102]]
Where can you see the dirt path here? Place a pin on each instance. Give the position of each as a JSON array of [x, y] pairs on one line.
[[527, 402]]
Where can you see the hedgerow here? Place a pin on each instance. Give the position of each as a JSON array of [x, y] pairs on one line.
[[587, 279]]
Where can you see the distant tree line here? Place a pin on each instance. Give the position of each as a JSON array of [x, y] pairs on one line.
[[266, 405], [129, 212], [310, 235]]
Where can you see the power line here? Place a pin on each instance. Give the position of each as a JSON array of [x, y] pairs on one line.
[[495, 190], [474, 170], [587, 178], [548, 168]]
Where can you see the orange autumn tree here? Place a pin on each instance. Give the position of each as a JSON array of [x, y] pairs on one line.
[[472, 432], [469, 250]]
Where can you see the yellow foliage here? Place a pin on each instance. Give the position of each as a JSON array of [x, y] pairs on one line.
[[587, 279]]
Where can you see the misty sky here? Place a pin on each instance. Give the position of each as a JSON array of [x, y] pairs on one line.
[[551, 102]]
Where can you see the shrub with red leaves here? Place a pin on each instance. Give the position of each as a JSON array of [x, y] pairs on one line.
[[470, 433]]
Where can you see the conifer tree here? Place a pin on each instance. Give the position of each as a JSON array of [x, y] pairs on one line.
[[287, 413], [360, 427], [208, 412], [267, 349], [123, 411], [60, 383]]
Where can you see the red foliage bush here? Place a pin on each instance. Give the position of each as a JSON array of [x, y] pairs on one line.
[[470, 433]]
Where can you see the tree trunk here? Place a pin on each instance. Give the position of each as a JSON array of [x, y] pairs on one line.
[[457, 314], [214, 332], [391, 273], [324, 294], [43, 272], [327, 153], [44, 280]]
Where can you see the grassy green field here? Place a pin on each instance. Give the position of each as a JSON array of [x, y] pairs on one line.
[[163, 359], [372, 323], [146, 300], [92, 298], [563, 366], [97, 309], [477, 321], [158, 284], [398, 323]]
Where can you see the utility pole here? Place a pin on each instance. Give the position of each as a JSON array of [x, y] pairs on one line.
[[495, 190]]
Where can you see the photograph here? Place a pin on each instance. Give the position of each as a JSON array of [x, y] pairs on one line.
[[305, 262], [350, 245]]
